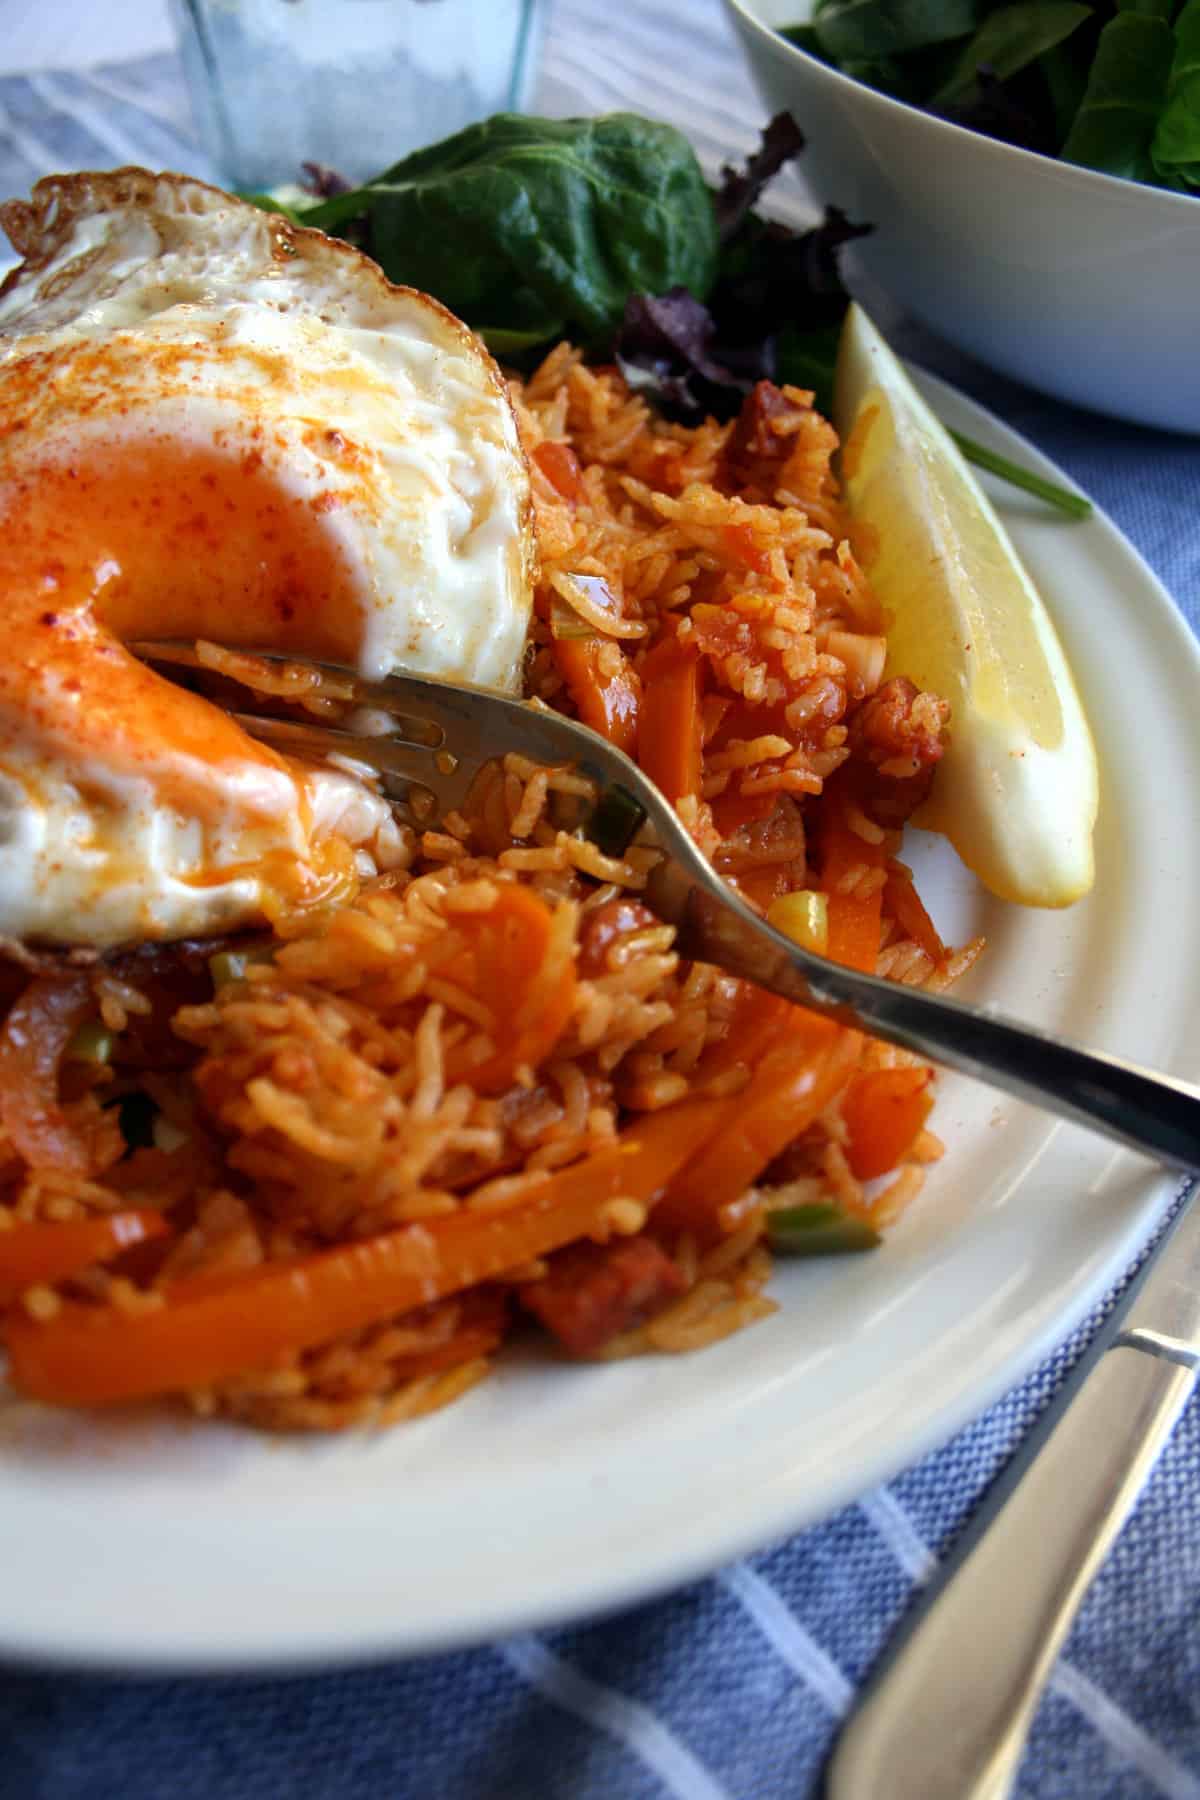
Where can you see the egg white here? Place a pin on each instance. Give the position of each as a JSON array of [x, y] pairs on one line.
[[154, 311]]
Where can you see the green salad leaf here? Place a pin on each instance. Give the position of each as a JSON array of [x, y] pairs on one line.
[[541, 227], [1117, 117], [1175, 149], [1064, 70], [604, 230], [807, 359], [1009, 40], [1112, 85], [873, 30]]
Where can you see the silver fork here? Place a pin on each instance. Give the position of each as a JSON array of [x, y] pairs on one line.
[[441, 737]]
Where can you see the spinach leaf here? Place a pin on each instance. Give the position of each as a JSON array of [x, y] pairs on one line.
[[805, 38], [297, 212], [1153, 9], [872, 30], [508, 344], [541, 226], [1175, 150], [1016, 111], [1106, 84], [1064, 70], [774, 314], [1009, 39], [1126, 89], [806, 359]]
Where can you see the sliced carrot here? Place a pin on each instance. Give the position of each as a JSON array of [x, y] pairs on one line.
[[607, 700], [790, 1088], [854, 918], [561, 467], [51, 1252], [854, 930], [92, 1356], [669, 737], [530, 997], [39, 1026], [757, 1022], [903, 903], [884, 1110]]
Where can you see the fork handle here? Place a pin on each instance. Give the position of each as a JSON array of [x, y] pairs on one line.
[[1149, 1112]]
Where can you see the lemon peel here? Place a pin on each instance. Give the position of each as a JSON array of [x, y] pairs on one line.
[[1017, 790]]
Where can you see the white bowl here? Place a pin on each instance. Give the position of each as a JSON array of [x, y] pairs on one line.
[[1082, 285]]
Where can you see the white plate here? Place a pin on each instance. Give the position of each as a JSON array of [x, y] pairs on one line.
[[554, 1491]]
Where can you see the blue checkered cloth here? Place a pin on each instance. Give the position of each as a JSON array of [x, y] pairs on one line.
[[733, 1687]]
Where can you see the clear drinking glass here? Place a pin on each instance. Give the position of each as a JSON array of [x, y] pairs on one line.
[[353, 84]]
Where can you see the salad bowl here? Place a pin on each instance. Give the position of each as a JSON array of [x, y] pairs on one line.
[[1078, 283]]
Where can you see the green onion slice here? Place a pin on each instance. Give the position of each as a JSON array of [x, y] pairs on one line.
[[616, 820], [1076, 506], [818, 1230], [92, 1042]]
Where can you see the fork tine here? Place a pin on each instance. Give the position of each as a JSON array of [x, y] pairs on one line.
[[452, 731], [418, 724], [403, 775]]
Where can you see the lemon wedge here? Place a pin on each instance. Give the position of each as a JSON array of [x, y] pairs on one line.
[[1017, 790]]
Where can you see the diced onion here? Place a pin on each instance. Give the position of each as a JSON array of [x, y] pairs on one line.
[[592, 598], [565, 622], [863, 657]]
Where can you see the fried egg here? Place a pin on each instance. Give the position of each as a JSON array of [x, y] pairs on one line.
[[214, 424]]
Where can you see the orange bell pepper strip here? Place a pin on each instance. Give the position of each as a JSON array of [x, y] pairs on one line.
[[95, 1356], [884, 1110], [669, 735], [903, 903], [790, 1088], [51, 1252], [609, 701], [530, 1000], [854, 919]]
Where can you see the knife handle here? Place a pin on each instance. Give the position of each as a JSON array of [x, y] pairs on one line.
[[948, 1716]]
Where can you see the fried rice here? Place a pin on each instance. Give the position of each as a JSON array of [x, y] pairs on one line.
[[472, 1051]]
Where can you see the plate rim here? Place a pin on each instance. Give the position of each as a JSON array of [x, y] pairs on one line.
[[593, 1594]]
